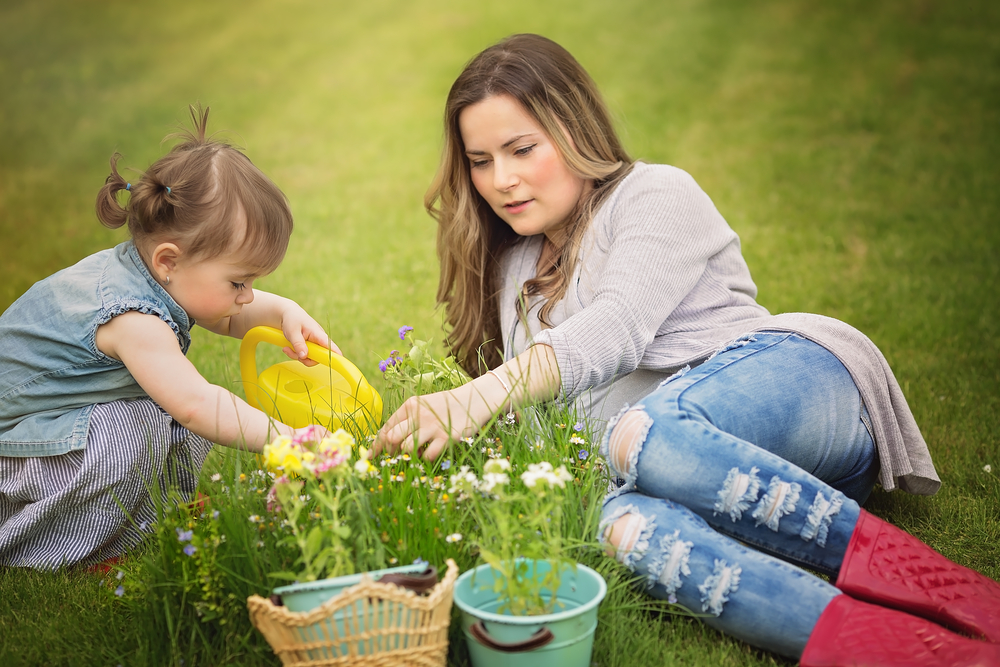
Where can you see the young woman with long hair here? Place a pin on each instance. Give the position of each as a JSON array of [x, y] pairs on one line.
[[743, 442]]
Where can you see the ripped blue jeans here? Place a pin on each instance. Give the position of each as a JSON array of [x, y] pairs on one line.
[[765, 445]]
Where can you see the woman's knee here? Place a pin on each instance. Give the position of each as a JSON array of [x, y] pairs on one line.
[[625, 441]]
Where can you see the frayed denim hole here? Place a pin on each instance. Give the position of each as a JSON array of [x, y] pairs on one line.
[[670, 563], [820, 516], [737, 493], [780, 499], [733, 344], [679, 374], [719, 585], [640, 525], [606, 439], [634, 447]]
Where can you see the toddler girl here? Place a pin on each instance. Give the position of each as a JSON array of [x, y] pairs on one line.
[[99, 406]]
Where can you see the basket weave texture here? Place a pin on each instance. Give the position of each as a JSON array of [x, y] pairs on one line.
[[370, 624]]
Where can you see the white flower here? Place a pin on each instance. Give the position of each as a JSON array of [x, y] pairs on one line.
[[493, 479], [496, 465], [255, 518], [468, 440], [577, 440], [216, 477], [464, 482], [454, 537], [987, 468], [544, 473]]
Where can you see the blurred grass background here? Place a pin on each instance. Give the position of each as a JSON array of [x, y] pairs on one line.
[[852, 145]]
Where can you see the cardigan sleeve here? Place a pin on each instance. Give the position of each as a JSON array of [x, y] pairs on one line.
[[659, 231]]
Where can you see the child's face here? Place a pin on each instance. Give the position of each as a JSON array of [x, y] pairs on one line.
[[211, 289]]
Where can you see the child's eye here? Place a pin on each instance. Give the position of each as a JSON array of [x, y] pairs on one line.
[[238, 285], [525, 150]]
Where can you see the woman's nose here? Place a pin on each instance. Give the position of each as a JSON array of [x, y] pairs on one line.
[[504, 178]]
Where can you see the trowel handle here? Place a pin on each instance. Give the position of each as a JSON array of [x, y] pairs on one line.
[[318, 353]]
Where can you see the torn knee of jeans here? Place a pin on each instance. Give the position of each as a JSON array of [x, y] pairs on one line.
[[670, 564], [737, 493], [718, 586], [820, 516], [779, 500], [625, 440], [626, 533]]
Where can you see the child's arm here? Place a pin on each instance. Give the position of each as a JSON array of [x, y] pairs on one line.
[[276, 311], [148, 348]]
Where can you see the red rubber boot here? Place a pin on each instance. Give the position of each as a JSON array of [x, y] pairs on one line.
[[889, 567], [855, 633]]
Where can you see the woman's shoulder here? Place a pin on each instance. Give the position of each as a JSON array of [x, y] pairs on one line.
[[646, 174]]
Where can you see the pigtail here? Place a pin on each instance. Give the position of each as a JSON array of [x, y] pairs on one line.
[[111, 213]]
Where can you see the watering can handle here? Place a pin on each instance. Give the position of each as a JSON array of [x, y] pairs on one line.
[[537, 640], [318, 353]]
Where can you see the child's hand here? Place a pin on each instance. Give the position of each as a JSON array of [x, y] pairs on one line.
[[299, 327], [311, 433]]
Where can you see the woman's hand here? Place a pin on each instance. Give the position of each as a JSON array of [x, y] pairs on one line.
[[425, 424]]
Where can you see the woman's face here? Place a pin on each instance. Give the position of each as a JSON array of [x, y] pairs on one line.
[[517, 168]]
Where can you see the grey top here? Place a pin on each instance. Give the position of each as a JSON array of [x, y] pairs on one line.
[[661, 284]]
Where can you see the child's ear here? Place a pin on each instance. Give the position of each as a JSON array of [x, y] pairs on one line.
[[163, 261]]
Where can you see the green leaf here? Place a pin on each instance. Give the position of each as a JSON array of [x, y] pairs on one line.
[[285, 576]]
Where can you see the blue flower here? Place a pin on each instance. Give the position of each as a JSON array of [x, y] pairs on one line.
[[403, 330], [120, 591], [583, 454], [184, 535], [578, 426], [419, 561], [445, 464], [190, 549]]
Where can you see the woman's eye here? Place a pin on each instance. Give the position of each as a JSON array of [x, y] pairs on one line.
[[525, 150], [479, 164], [238, 286]]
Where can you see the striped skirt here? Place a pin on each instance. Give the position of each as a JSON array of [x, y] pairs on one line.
[[93, 504]]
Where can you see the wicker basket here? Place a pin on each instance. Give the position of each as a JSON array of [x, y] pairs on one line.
[[369, 624]]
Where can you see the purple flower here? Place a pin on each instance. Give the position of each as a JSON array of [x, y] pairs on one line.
[[190, 549], [578, 426], [383, 365], [672, 599], [583, 454], [403, 330], [446, 464], [184, 535], [120, 591]]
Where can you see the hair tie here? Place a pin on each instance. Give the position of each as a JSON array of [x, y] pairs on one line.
[[168, 189], [128, 186]]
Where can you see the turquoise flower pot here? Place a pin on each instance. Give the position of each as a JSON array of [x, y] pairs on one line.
[[564, 637]]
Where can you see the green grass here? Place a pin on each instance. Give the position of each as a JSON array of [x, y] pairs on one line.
[[851, 145]]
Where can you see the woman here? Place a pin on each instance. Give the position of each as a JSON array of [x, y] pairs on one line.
[[610, 283]]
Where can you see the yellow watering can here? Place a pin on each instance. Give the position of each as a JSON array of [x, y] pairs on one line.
[[334, 393]]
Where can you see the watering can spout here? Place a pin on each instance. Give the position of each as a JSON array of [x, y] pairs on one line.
[[333, 394]]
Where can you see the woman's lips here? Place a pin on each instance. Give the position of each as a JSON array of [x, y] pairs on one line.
[[517, 206]]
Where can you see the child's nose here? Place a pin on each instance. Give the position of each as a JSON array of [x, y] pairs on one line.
[[246, 296]]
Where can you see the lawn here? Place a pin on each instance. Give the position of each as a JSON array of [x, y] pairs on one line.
[[852, 146]]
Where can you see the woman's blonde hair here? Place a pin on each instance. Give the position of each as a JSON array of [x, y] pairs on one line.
[[194, 196], [558, 93]]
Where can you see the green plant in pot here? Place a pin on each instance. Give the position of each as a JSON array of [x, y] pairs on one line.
[[329, 524], [529, 603]]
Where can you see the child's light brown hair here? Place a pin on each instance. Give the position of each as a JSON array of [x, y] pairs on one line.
[[193, 196]]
